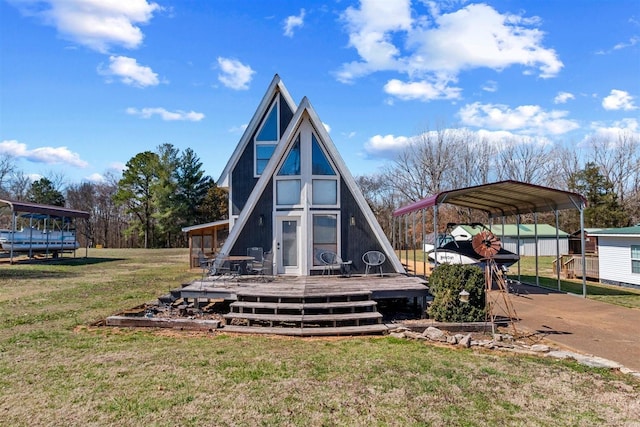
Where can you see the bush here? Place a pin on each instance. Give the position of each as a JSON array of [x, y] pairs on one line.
[[446, 282]]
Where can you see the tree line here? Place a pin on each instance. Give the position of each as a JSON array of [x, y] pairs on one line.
[[161, 191], [606, 170], [158, 193]]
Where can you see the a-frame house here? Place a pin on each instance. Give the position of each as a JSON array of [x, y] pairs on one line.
[[291, 193]]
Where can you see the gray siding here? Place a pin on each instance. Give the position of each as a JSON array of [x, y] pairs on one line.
[[614, 259], [254, 234]]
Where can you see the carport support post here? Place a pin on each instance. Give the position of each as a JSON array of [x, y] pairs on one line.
[[435, 235], [535, 240], [558, 259], [584, 260]]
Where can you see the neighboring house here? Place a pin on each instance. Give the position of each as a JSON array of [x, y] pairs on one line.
[[291, 193], [511, 237], [619, 255]]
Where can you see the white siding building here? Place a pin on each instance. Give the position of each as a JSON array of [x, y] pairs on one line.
[[524, 236], [619, 255]]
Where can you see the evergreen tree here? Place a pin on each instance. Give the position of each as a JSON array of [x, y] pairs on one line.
[[603, 209], [136, 192], [43, 192]]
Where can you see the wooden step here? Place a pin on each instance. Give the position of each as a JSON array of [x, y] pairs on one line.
[[307, 331], [299, 306], [304, 318]]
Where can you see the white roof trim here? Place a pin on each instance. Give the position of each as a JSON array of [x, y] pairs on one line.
[[207, 225], [276, 86]]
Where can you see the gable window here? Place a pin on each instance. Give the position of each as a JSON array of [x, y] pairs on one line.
[[288, 188], [635, 259], [324, 183], [266, 140]]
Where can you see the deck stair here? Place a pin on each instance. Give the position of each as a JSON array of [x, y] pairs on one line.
[[345, 313]]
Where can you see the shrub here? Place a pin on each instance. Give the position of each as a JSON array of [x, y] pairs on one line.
[[446, 282]]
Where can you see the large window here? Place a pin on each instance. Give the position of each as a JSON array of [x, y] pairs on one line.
[[324, 185], [266, 139], [288, 192], [325, 236], [635, 259]]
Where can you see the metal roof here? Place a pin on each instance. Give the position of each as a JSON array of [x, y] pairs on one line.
[[502, 198], [59, 211], [623, 231], [215, 224]]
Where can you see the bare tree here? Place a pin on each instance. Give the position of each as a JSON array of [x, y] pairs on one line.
[[7, 168], [524, 160], [619, 161], [19, 185]]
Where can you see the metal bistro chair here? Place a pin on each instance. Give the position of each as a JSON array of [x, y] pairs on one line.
[[262, 267], [373, 259], [220, 267], [333, 261], [255, 265], [204, 263]]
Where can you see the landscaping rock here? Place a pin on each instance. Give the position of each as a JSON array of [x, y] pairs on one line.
[[451, 339], [397, 334], [434, 334], [414, 335], [540, 348], [465, 341]]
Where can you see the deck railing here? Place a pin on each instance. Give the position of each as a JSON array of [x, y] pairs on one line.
[[571, 266]]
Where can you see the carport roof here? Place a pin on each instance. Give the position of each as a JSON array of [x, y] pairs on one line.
[[502, 198], [20, 206]]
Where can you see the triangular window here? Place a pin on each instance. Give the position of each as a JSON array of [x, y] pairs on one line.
[[291, 165], [319, 163], [269, 131]]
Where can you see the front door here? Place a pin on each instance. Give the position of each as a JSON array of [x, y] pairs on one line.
[[288, 245]]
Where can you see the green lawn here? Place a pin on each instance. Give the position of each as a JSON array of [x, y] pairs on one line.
[[58, 370]]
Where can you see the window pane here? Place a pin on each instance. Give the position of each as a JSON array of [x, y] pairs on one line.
[[635, 266], [291, 165], [288, 192], [320, 164], [269, 131], [325, 236], [635, 252], [325, 192], [263, 154]]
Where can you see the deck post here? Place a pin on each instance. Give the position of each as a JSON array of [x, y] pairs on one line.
[[535, 241]]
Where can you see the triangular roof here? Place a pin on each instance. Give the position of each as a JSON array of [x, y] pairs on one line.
[[305, 110], [276, 86]]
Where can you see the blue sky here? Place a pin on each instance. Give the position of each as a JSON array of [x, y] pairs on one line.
[[87, 84]]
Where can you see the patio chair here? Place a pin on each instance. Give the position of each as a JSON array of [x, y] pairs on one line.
[[220, 266], [373, 259], [332, 261], [204, 263], [261, 268]]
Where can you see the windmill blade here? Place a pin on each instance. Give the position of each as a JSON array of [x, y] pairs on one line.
[[486, 244]]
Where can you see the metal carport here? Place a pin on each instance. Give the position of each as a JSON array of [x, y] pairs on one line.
[[502, 199], [16, 206]]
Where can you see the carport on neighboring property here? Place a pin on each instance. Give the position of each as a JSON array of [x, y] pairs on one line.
[[498, 200]]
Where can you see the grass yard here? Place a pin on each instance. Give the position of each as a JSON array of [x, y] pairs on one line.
[[58, 370]]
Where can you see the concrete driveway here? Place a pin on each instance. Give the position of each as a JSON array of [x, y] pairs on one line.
[[582, 325]]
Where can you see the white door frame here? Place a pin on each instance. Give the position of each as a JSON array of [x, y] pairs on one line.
[[278, 243]]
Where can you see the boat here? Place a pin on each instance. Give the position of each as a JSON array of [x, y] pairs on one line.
[[31, 239], [476, 251]]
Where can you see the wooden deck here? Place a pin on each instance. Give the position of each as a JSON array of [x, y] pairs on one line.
[[388, 286]]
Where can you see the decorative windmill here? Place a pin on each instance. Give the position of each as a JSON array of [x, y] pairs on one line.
[[487, 245]]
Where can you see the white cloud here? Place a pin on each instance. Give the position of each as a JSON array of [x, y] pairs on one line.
[[130, 72], [612, 131], [530, 119], [618, 100], [234, 75], [238, 129], [147, 113], [293, 22], [437, 47], [386, 146], [490, 86], [421, 90], [97, 24], [563, 97], [96, 178], [47, 155]]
